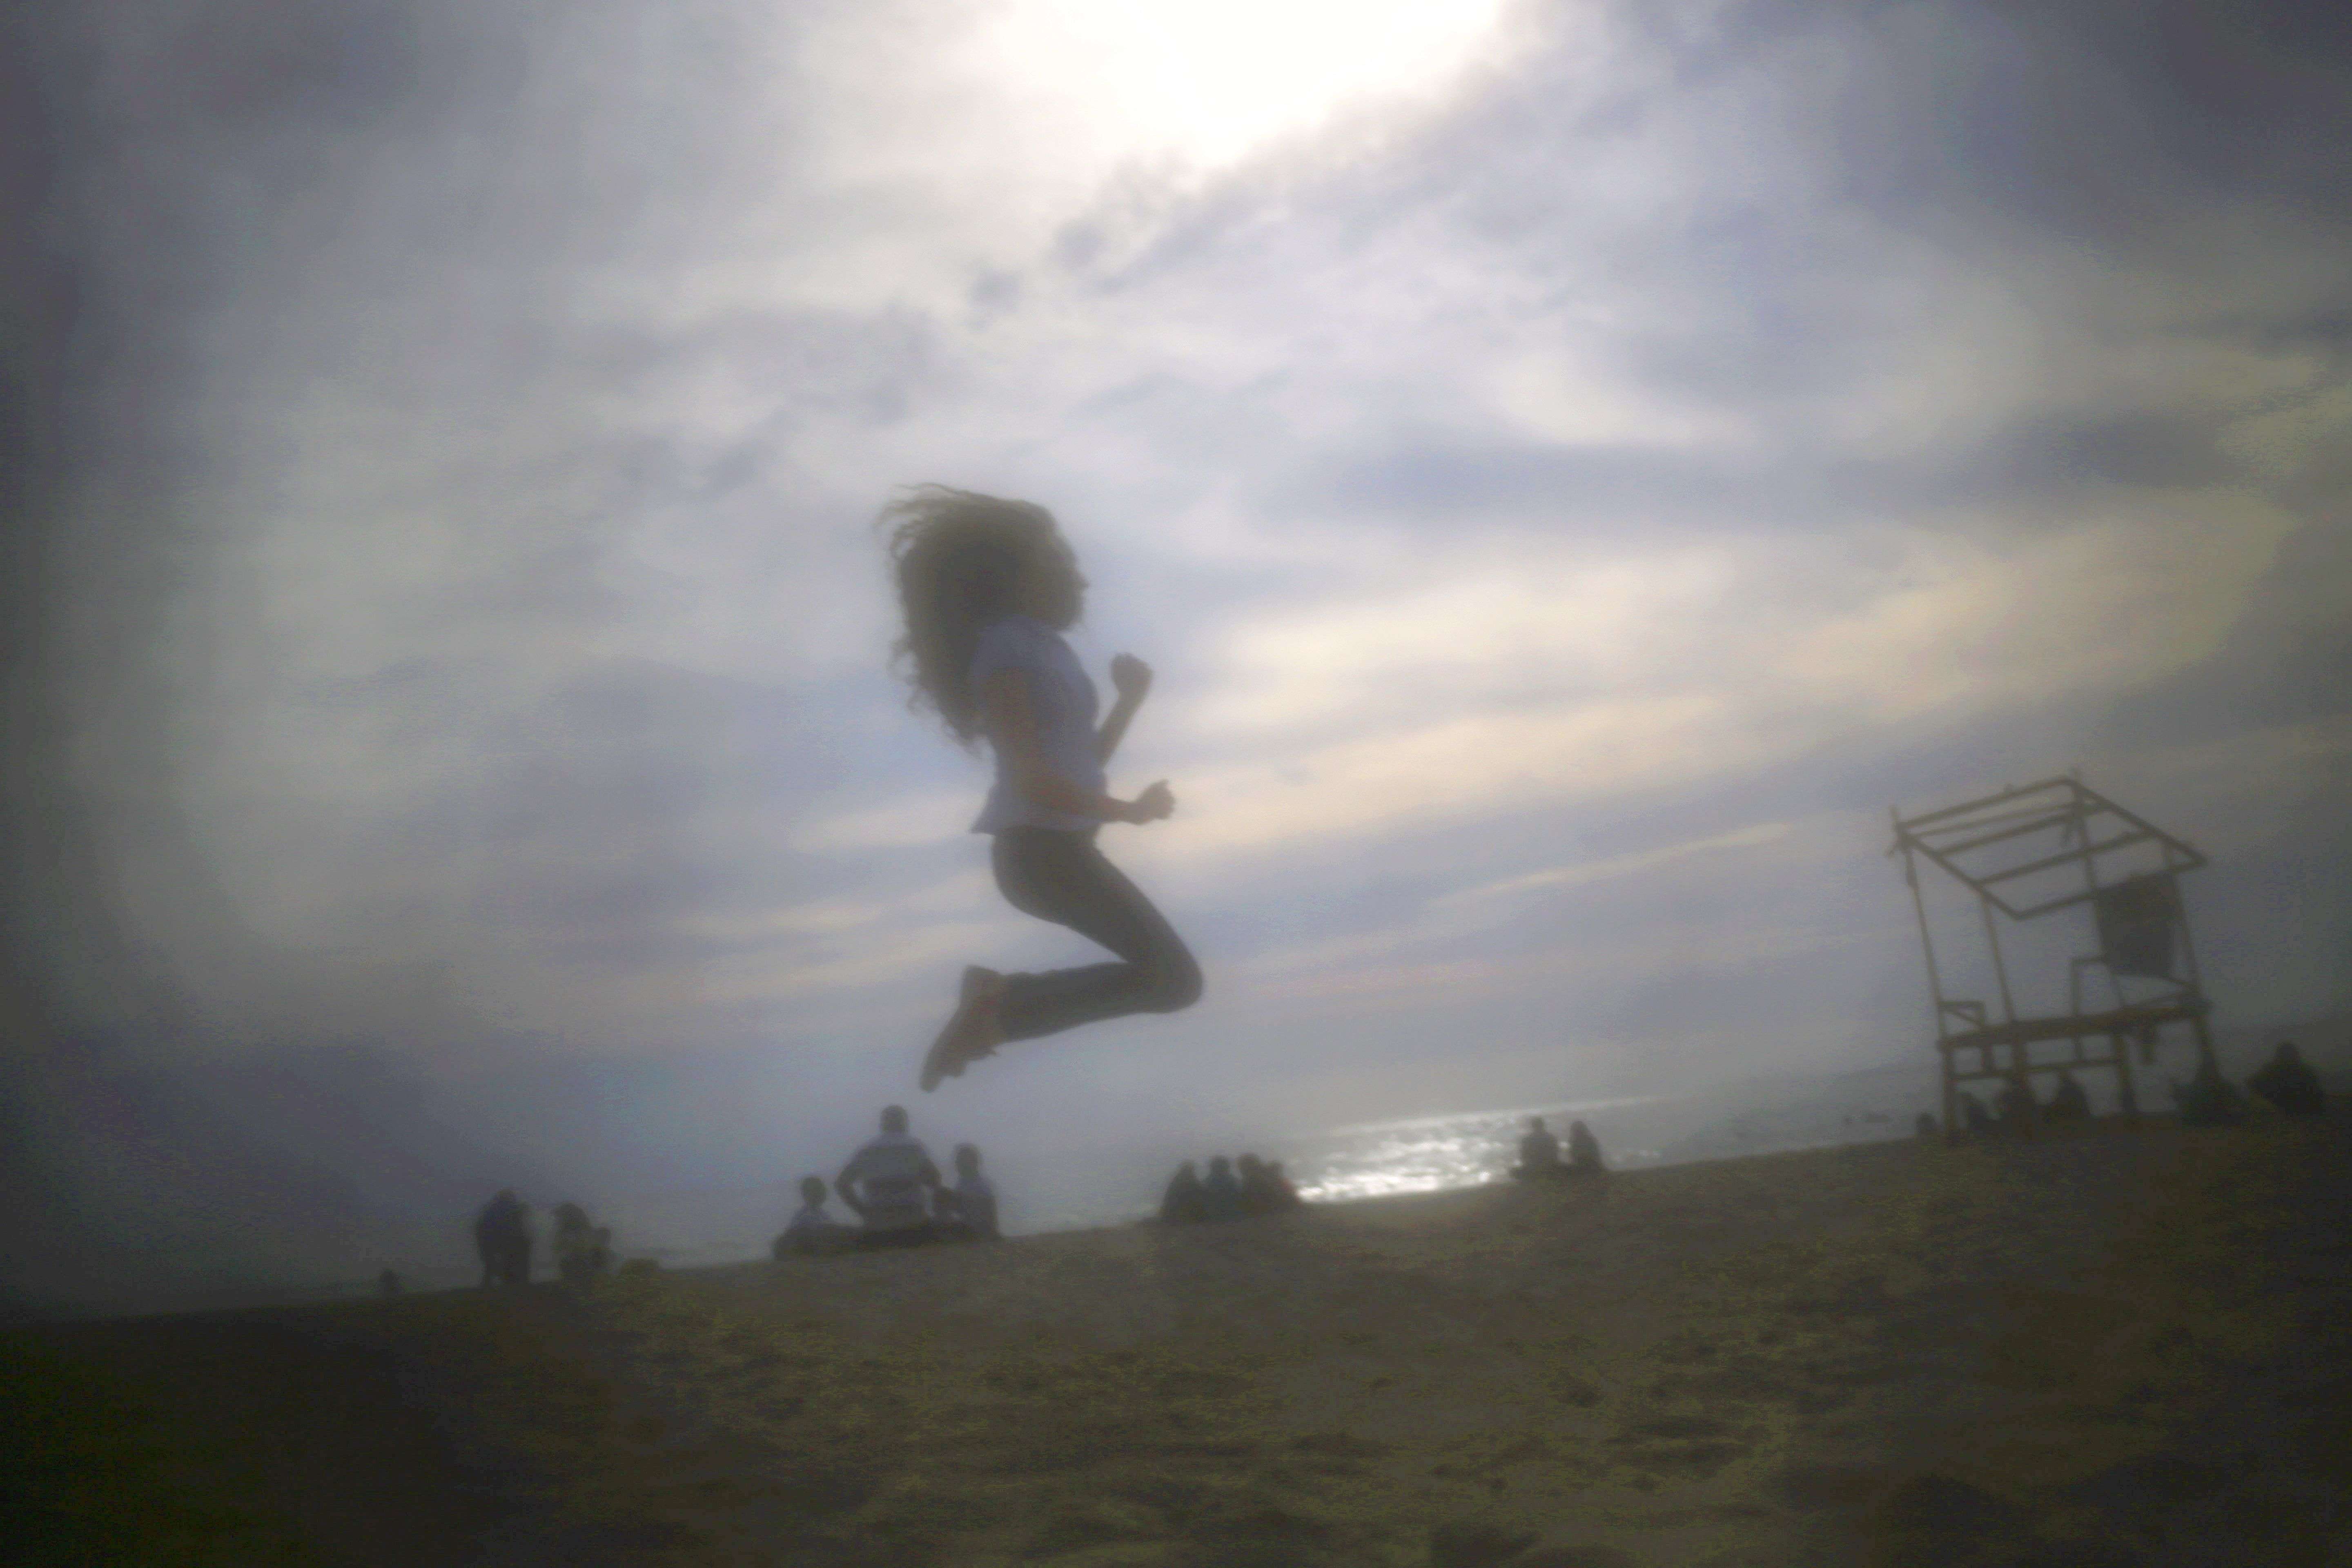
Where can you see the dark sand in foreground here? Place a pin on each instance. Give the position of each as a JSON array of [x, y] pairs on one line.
[[2113, 1348]]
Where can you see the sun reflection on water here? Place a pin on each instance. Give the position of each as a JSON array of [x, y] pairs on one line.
[[1433, 1153]]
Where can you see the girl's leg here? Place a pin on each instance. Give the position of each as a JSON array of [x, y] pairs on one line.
[[972, 1031], [1062, 876]]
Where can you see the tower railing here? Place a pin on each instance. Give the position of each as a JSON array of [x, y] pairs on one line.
[[2028, 852]]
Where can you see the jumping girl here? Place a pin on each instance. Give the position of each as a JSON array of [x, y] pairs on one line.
[[987, 587]]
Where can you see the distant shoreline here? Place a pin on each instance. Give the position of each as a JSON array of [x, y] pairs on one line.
[[2325, 1042], [348, 1293]]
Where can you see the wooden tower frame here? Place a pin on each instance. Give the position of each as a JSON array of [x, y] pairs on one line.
[[1968, 841]]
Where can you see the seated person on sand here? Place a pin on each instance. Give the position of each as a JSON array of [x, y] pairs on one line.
[[1974, 1114], [2209, 1100], [1285, 1195], [2015, 1103], [2067, 1101], [811, 1230], [967, 1211], [1221, 1191], [1539, 1155], [502, 1238], [1258, 1192], [1184, 1202], [887, 1184], [1584, 1152], [575, 1245], [1924, 1124], [2287, 1081]]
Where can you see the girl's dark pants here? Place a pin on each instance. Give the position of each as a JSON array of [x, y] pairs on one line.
[[1058, 874]]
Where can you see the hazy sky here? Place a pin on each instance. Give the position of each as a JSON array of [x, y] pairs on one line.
[[1573, 466]]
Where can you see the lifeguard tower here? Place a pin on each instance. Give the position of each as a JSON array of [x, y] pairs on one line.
[[2030, 852]]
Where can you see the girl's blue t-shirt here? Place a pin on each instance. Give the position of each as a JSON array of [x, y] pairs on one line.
[[1062, 701]]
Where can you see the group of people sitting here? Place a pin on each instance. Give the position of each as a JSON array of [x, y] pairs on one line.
[[2067, 1102], [1232, 1189], [899, 1196], [2285, 1082], [503, 1240], [583, 1250], [1540, 1158]]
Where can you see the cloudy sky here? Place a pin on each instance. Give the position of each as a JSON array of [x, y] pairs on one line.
[[1573, 466]]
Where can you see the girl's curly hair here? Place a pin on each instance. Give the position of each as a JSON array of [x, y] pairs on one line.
[[957, 558]]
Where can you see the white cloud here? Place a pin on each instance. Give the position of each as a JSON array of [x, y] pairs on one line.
[[788, 974], [1489, 688], [602, 369], [1561, 968], [965, 893], [2141, 588], [1586, 872], [1460, 630], [903, 823]]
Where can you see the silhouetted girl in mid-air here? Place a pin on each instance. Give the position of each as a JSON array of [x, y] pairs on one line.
[[987, 587]]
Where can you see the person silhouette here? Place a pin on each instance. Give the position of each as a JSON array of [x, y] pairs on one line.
[[1539, 1153], [1263, 1187], [1286, 1196], [2068, 1101], [502, 1238], [2287, 1082], [970, 1203], [986, 587], [811, 1229], [1184, 1202], [2208, 1100], [1221, 1191], [575, 1244], [887, 1184], [1584, 1152]]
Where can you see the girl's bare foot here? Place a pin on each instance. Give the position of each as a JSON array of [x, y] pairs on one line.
[[971, 1033]]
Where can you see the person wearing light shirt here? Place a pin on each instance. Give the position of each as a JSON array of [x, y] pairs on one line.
[[987, 586], [889, 1185]]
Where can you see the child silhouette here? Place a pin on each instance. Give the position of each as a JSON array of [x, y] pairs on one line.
[[987, 586]]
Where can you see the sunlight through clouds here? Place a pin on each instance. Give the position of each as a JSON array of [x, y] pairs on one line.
[[946, 142], [1210, 81], [1492, 420]]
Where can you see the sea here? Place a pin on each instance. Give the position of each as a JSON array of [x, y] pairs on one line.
[[1083, 1188]]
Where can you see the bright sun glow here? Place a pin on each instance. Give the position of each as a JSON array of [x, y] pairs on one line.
[[1207, 80]]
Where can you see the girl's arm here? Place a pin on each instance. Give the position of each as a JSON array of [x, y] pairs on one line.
[[1012, 726], [1113, 727], [1131, 678]]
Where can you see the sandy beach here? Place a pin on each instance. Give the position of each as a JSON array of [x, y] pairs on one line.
[[2117, 1347]]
